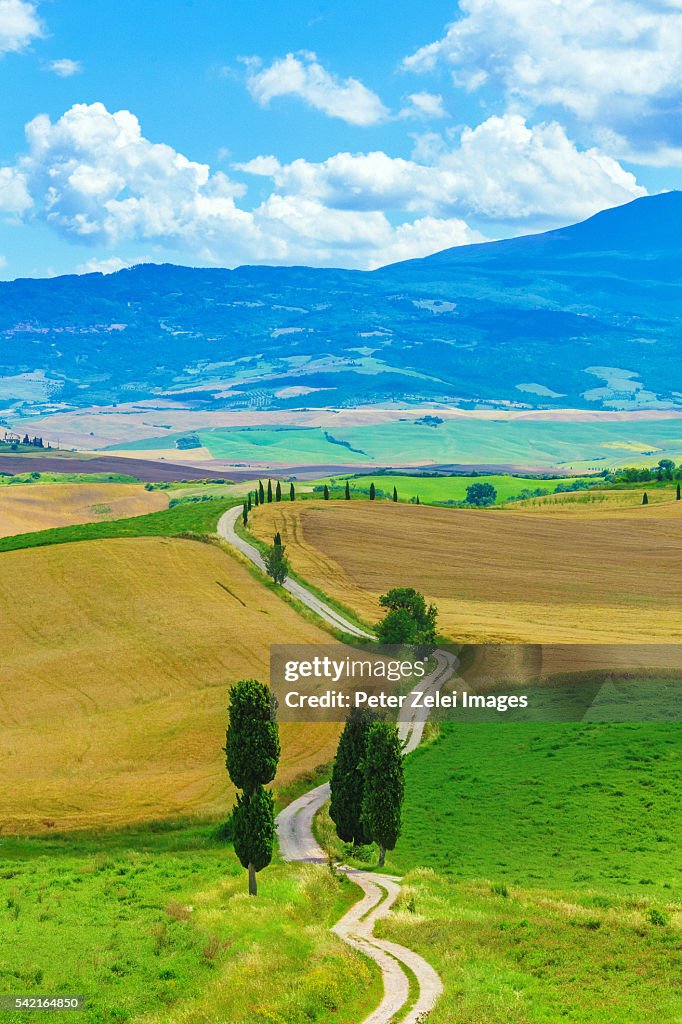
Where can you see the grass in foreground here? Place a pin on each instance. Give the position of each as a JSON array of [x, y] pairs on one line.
[[543, 872], [199, 517], [159, 924]]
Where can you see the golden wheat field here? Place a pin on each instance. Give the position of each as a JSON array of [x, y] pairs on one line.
[[28, 507], [116, 657], [497, 575]]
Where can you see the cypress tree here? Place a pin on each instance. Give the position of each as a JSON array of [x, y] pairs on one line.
[[292, 492], [395, 493], [347, 491], [417, 499], [348, 781], [326, 493], [278, 491], [255, 498], [248, 501], [645, 498], [679, 494], [261, 492], [277, 540], [252, 750], [245, 514], [269, 491], [384, 786], [372, 492]]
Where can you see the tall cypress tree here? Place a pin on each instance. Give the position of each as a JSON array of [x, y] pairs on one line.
[[348, 781], [384, 786], [372, 492], [278, 492], [252, 750], [245, 514], [248, 501], [261, 492], [292, 492], [255, 498], [325, 493], [395, 493], [347, 491], [645, 498], [679, 493], [269, 491]]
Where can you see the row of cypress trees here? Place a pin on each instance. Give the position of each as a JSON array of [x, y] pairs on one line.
[[367, 783]]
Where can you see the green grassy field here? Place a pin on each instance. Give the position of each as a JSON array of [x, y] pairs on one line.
[[68, 478], [543, 872], [159, 925], [200, 517], [435, 490], [572, 445]]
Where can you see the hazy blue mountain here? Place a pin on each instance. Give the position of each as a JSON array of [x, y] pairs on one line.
[[584, 316]]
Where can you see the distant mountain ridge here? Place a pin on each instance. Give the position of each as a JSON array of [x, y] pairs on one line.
[[587, 316]]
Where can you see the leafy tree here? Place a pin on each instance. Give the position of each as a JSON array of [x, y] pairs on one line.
[[325, 493], [276, 563], [481, 495], [269, 491], [408, 620], [252, 750], [384, 786], [278, 492], [292, 492], [668, 467], [372, 492], [395, 493], [347, 781], [261, 492], [347, 495], [645, 498]]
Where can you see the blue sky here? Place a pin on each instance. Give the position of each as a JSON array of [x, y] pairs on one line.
[[220, 132]]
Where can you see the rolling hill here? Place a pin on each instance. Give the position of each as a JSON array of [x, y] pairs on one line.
[[117, 658]]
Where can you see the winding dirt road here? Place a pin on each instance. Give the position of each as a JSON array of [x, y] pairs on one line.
[[226, 530], [297, 843]]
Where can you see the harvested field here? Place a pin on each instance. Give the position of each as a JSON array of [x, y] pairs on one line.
[[117, 657], [144, 469], [25, 508], [496, 575]]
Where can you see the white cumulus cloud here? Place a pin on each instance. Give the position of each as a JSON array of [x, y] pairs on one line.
[[303, 76], [610, 62], [95, 179], [502, 170], [65, 67], [19, 25], [427, 106]]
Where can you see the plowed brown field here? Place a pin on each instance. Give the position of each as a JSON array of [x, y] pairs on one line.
[[497, 575]]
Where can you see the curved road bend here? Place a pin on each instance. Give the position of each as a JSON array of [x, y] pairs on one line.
[[226, 530], [297, 843]]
